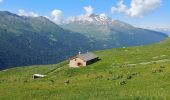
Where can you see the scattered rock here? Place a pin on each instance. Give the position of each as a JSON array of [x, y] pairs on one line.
[[52, 81], [67, 81], [162, 66], [122, 82], [129, 76]]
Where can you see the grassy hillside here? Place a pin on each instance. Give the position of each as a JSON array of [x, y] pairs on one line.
[[124, 73]]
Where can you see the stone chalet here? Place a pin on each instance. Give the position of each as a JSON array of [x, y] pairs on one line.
[[81, 60]]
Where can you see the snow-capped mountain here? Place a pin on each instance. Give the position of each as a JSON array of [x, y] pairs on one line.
[[100, 19], [111, 33], [94, 19]]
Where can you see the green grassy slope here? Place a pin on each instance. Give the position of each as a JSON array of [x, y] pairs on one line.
[[124, 73]]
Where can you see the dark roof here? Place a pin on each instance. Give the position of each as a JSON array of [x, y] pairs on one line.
[[87, 56]]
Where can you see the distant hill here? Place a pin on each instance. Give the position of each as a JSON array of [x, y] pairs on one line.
[[36, 40], [30, 41], [112, 33], [122, 73]]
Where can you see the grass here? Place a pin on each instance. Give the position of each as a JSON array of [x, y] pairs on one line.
[[122, 73]]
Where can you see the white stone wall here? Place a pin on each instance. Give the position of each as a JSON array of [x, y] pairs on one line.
[[74, 62]]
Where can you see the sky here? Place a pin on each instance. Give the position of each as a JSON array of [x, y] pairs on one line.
[[141, 13]]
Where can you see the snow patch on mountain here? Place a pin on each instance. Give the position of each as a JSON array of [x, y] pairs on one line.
[[90, 17], [100, 19]]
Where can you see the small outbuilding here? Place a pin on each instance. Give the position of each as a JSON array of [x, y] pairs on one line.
[[81, 60], [38, 76]]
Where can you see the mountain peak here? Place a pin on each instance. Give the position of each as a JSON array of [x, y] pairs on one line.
[[91, 19]]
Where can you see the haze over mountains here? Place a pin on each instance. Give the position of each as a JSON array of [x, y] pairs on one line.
[[37, 40], [165, 30]]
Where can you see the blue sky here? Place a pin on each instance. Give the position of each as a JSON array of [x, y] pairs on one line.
[[156, 14]]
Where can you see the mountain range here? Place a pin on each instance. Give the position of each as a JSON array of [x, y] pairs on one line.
[[112, 33], [29, 41], [37, 40]]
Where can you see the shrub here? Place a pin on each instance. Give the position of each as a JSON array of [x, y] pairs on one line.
[[116, 77], [25, 81], [110, 72], [52, 81], [67, 81], [134, 73], [129, 76], [122, 82], [69, 75], [162, 66], [160, 70], [99, 77], [153, 70], [157, 70]]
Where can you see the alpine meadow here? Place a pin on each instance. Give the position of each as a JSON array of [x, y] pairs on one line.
[[84, 50]]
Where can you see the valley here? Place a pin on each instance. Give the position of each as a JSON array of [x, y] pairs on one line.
[[28, 41]]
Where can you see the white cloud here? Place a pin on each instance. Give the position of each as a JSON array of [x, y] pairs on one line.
[[1, 1], [121, 7], [57, 16], [22, 12], [86, 16], [32, 14], [137, 7], [89, 10]]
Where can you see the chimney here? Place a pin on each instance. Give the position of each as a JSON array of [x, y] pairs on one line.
[[79, 53]]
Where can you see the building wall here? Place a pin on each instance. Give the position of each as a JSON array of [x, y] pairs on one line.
[[77, 62]]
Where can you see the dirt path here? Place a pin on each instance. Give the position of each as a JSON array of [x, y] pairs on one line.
[[141, 63]]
